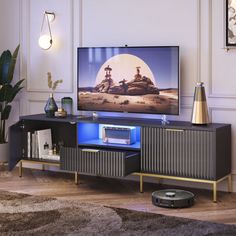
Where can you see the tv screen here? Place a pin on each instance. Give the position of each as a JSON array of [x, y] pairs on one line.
[[129, 79]]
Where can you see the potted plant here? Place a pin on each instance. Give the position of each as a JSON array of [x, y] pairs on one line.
[[8, 91]]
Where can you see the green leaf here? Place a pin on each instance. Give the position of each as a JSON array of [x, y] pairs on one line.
[[12, 64], [6, 112], [15, 90], [6, 93], [17, 85], [13, 93], [5, 61], [1, 93]]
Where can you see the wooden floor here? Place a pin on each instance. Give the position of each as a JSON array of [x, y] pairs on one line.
[[117, 193]]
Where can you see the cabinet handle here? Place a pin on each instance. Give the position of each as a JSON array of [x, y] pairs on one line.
[[175, 130], [90, 150]]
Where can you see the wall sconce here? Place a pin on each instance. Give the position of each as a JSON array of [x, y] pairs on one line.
[[45, 40]]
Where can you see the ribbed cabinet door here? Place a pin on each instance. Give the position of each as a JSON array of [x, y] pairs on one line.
[[151, 151], [176, 152], [69, 158]]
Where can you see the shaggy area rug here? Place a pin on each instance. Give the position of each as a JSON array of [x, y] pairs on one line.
[[22, 214]]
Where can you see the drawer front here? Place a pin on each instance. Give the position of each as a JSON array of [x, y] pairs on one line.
[[185, 153], [69, 158], [110, 163], [100, 162]]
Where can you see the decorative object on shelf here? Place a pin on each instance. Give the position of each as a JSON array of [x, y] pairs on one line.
[[51, 106], [44, 141], [66, 104], [51, 157], [200, 111], [54, 149], [230, 12], [95, 115], [45, 39], [164, 120], [53, 85], [60, 113], [8, 91], [60, 145], [119, 134]]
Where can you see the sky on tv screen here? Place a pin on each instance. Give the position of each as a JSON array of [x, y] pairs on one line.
[[160, 64]]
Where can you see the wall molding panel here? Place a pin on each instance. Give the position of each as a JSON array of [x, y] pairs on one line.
[[37, 105], [219, 50], [58, 59]]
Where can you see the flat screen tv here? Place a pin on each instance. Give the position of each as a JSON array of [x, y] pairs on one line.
[[129, 79]]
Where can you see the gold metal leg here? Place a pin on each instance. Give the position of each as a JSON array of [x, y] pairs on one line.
[[230, 183], [2, 165], [214, 191], [76, 178], [141, 183], [214, 183], [20, 169]]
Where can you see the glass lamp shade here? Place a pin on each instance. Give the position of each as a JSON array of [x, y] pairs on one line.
[[45, 41]]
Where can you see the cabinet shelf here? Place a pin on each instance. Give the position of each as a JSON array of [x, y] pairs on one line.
[[41, 161], [100, 143]]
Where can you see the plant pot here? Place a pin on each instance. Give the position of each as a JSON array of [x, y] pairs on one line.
[[4, 152]]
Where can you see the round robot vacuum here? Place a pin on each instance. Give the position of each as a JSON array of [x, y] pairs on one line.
[[172, 198]]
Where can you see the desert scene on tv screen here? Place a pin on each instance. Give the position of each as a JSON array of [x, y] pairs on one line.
[[125, 83]]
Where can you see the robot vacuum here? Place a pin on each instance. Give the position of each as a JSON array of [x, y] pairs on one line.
[[172, 198]]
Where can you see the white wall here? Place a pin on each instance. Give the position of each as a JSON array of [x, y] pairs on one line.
[[9, 24], [197, 26], [9, 39]]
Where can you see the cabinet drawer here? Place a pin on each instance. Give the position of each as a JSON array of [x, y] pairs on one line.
[[100, 162]]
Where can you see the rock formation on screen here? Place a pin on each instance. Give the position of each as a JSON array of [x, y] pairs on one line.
[[140, 85]]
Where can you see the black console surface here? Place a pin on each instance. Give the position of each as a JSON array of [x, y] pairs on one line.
[[127, 121]]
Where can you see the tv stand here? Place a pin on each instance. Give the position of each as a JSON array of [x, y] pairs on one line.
[[177, 150]]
